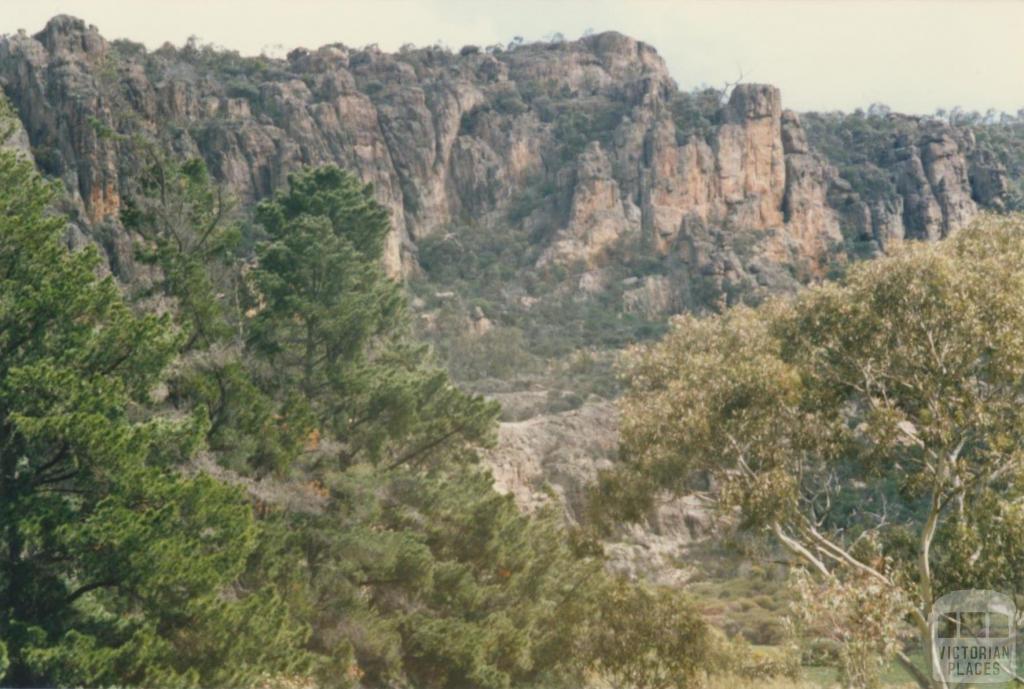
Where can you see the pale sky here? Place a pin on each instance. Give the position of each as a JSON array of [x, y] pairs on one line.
[[913, 55]]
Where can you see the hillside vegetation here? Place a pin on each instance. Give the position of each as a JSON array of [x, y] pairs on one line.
[[311, 373]]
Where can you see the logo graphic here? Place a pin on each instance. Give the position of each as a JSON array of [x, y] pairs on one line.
[[973, 637]]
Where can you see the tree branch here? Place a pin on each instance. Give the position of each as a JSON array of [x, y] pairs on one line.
[[914, 671], [428, 447], [82, 590], [844, 556], [799, 550]]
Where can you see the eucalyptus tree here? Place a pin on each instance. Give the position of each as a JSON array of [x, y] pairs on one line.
[[873, 428]]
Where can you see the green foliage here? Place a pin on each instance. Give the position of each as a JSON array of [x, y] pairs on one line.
[[467, 269], [696, 113], [190, 234], [859, 145], [573, 132], [763, 663], [469, 255], [108, 550], [502, 352], [529, 199], [895, 393], [506, 101], [413, 570], [332, 327], [124, 563], [1004, 140], [982, 551], [436, 581], [861, 616], [669, 649], [509, 102], [749, 602], [184, 221], [575, 127], [242, 74]]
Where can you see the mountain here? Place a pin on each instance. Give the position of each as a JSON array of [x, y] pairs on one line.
[[549, 202], [588, 145]]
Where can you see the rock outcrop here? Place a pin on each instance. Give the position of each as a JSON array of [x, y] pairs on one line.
[[598, 218], [553, 458], [556, 456], [905, 177], [575, 141]]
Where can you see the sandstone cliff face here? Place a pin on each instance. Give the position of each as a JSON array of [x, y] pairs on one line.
[[903, 177], [459, 138], [598, 218]]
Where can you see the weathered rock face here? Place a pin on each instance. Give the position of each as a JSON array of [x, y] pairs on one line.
[[16, 139], [598, 218], [931, 175], [554, 455], [756, 182], [990, 183], [585, 127], [653, 297], [554, 458], [906, 177]]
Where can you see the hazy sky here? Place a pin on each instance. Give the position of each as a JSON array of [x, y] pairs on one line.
[[914, 55]]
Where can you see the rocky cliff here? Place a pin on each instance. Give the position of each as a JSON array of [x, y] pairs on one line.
[[584, 144], [571, 184]]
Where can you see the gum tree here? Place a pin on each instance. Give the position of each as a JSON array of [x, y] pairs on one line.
[[872, 428]]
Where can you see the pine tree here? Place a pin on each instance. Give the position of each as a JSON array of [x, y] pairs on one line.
[[113, 563], [413, 570], [190, 233], [333, 329]]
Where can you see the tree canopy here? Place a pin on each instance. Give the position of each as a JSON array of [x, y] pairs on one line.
[[872, 427]]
